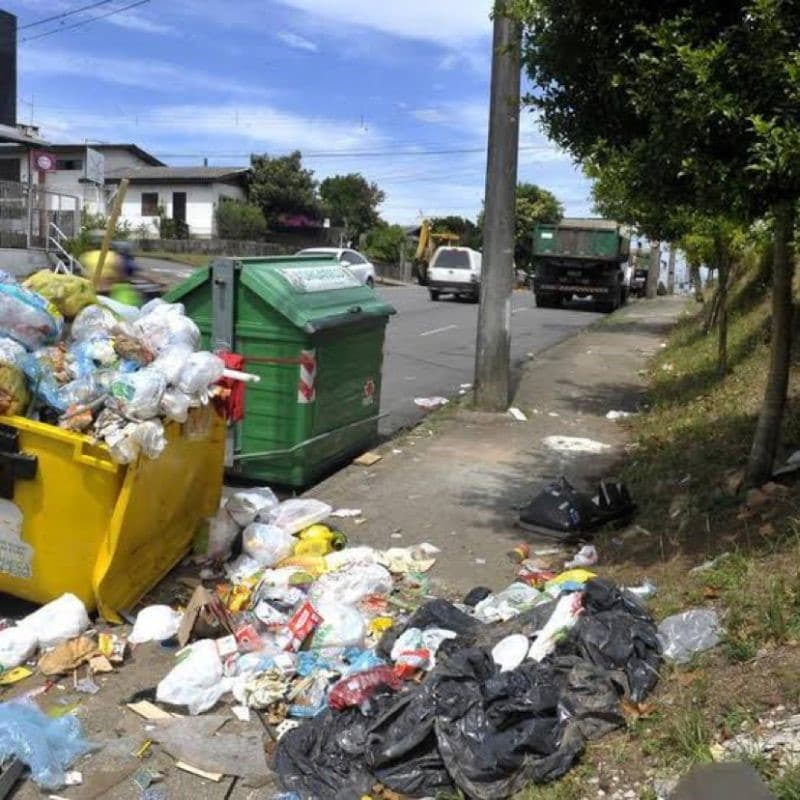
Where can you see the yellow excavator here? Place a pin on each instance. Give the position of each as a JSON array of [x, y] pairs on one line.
[[429, 241]]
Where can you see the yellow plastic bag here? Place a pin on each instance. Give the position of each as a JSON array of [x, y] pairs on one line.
[[14, 395], [68, 293]]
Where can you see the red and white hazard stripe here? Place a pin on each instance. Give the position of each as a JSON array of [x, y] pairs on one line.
[[307, 387]]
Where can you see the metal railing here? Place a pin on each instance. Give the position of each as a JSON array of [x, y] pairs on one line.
[[57, 244]]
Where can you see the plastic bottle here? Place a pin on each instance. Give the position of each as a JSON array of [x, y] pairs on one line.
[[319, 540]]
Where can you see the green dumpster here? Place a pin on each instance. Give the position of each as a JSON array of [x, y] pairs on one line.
[[314, 335]]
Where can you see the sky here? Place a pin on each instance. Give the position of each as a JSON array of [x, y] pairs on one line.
[[395, 89]]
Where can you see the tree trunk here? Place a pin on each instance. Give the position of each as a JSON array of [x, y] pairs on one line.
[[712, 312], [722, 318], [697, 283], [768, 429], [653, 272]]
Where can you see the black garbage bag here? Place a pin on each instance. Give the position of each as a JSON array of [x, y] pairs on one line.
[[323, 758], [487, 733], [434, 614], [617, 634]]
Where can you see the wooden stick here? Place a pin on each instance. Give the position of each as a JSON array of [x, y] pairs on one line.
[[111, 225]]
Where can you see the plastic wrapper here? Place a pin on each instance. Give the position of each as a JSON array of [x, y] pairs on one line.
[[341, 626], [417, 649], [298, 513], [171, 362], [351, 586], [166, 326], [508, 603], [266, 544], [27, 318], [47, 746], [155, 624], [70, 294], [196, 681], [128, 441], [175, 405], [246, 504], [138, 394], [94, 321], [17, 645], [59, 620], [90, 354], [563, 618], [690, 632], [200, 371], [357, 689]]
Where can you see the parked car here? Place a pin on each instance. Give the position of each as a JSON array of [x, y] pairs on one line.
[[456, 271], [359, 265]]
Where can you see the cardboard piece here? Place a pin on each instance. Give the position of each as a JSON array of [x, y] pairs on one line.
[[149, 710], [67, 656], [368, 459], [205, 618]]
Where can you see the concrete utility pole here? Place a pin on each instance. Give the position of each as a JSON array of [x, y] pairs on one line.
[[493, 347], [653, 271], [671, 270]]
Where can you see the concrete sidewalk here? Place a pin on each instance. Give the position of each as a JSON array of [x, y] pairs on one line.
[[458, 480]]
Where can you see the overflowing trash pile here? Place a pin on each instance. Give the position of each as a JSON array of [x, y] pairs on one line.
[[89, 364], [356, 673]]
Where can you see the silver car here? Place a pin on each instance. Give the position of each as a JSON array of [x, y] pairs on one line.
[[360, 266]]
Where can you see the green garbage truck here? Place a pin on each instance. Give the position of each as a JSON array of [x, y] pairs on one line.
[[583, 258]]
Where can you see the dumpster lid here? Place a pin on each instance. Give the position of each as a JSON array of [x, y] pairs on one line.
[[313, 293]]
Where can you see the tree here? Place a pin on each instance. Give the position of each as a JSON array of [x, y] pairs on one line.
[[386, 243], [698, 105], [534, 205], [470, 234], [351, 202], [281, 186], [236, 220]]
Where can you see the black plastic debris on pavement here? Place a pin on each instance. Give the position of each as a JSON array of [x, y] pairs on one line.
[[472, 728]]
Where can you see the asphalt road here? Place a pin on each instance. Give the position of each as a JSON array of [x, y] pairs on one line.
[[430, 347]]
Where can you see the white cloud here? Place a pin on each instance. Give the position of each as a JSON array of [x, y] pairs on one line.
[[443, 22], [298, 42], [132, 20], [137, 22], [430, 115], [155, 75]]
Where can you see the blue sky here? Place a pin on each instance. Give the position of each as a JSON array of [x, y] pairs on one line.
[[356, 85]]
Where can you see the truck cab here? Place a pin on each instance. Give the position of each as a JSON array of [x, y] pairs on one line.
[[583, 258]]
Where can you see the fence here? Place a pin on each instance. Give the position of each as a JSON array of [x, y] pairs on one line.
[[26, 216]]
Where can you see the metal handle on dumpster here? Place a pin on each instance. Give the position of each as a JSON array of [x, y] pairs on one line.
[[294, 448]]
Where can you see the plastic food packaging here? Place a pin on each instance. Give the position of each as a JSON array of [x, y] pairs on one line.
[[245, 505], [564, 617], [47, 746], [70, 294], [59, 620], [341, 626], [138, 394], [27, 318], [299, 513], [357, 689], [693, 631], [510, 652], [200, 371], [175, 405], [351, 586], [267, 544], [17, 645], [196, 681], [155, 624], [508, 603]]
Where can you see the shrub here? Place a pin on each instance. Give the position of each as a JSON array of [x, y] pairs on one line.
[[237, 220]]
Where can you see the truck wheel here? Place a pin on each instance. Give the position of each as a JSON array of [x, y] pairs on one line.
[[434, 295]]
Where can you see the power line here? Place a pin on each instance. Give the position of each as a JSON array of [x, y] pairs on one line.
[[65, 14], [80, 24]]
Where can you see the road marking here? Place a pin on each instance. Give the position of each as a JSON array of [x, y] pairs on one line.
[[517, 310], [439, 330]]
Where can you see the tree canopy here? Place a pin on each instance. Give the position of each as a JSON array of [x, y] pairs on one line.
[[352, 202], [281, 187]]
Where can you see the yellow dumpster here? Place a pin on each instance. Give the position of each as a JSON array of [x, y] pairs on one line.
[[74, 521]]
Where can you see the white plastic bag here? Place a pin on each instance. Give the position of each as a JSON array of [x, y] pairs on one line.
[[149, 436], [267, 544], [171, 362], [200, 371], [93, 322], [564, 617], [59, 620], [222, 530], [175, 405], [510, 602], [297, 514], [341, 626], [166, 326], [10, 351], [17, 645], [351, 586], [410, 645], [244, 506], [197, 679], [693, 631], [138, 394], [242, 568], [155, 624]]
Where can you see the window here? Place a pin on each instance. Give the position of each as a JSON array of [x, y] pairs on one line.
[[69, 163], [149, 204], [452, 259], [351, 258]]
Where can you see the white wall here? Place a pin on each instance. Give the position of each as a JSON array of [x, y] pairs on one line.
[[201, 202]]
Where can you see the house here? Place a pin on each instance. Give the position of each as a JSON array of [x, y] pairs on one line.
[[187, 195], [69, 174]]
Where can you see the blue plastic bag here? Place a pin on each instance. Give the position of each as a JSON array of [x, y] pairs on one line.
[[47, 746]]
